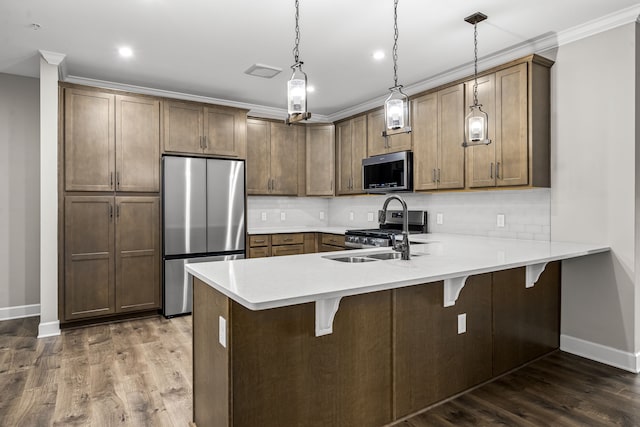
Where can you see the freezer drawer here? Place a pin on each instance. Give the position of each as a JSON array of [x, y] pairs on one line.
[[177, 286]]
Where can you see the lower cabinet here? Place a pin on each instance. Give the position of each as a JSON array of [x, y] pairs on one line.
[[111, 255], [265, 245], [331, 242]]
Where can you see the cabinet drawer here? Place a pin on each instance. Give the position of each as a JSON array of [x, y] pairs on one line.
[[287, 239], [287, 250], [259, 252], [333, 239], [330, 248], [259, 240]]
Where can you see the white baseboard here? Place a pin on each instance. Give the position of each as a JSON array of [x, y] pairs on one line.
[[19, 311], [49, 329], [601, 353]]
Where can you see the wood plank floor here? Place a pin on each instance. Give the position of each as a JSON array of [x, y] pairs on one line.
[[138, 373]]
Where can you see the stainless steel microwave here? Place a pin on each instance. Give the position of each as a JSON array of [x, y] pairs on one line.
[[388, 172]]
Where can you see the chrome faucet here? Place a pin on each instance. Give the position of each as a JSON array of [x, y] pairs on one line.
[[403, 247]]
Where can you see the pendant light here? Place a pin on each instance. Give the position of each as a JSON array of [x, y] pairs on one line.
[[297, 84], [396, 106], [476, 123]]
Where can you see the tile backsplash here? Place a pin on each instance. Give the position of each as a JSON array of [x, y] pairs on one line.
[[526, 212]]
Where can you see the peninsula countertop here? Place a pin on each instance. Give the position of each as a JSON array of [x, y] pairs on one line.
[[264, 283]]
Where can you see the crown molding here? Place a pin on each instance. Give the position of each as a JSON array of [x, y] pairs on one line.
[[52, 58], [255, 110], [536, 45]]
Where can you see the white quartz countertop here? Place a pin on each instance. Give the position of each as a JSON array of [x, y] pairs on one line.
[[299, 229], [263, 283]]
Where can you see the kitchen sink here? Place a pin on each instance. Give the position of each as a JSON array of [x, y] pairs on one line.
[[352, 259]]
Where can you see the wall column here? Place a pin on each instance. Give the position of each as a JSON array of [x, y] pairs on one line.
[[49, 322]]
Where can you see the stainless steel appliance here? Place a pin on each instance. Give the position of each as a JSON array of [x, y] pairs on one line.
[[388, 172], [203, 216], [375, 237]]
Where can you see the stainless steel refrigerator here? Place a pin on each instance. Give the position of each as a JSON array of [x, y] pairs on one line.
[[203, 216]]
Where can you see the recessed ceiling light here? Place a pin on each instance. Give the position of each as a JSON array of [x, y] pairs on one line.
[[125, 52], [378, 55], [311, 89]]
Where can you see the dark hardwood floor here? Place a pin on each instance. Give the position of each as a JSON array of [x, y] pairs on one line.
[[138, 373]]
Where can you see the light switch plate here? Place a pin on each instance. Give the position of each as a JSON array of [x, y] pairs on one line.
[[283, 216], [321, 214], [263, 216], [222, 331], [351, 216], [500, 220], [439, 218], [462, 323], [370, 216]]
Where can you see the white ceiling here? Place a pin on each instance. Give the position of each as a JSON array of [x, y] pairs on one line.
[[203, 47]]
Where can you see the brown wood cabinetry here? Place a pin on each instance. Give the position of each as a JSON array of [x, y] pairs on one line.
[[320, 156], [112, 255], [331, 242], [351, 148], [378, 144], [259, 246], [111, 142], [264, 245], [287, 244], [438, 131], [204, 129], [516, 99], [272, 158]]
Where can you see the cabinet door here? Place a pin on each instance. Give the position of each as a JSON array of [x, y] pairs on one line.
[[137, 253], [425, 141], [481, 158], [376, 143], [137, 144], [89, 145], [258, 157], [183, 124], [284, 159], [224, 131], [512, 156], [358, 152], [344, 162], [451, 133], [320, 160], [89, 285], [287, 250]]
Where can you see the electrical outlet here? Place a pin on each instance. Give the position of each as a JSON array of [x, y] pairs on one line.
[[370, 216], [283, 216], [321, 214], [500, 220], [439, 218], [462, 323], [222, 331], [263, 216], [351, 216]]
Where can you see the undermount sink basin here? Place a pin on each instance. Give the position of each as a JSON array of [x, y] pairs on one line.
[[389, 255], [351, 259]]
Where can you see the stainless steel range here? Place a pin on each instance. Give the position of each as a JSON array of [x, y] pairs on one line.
[[376, 237]]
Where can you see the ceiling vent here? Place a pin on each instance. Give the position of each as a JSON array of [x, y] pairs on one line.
[[264, 71]]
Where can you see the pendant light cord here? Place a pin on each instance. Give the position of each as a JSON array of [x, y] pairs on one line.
[[395, 43], [296, 51], [475, 63]]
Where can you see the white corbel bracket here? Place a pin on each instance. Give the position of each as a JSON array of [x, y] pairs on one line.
[[533, 273], [452, 288], [326, 310]]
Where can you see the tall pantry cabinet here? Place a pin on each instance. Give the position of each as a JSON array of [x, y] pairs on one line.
[[110, 205]]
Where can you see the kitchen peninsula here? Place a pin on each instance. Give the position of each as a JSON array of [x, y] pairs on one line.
[[309, 340]]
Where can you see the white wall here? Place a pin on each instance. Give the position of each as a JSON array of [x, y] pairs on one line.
[[593, 188], [19, 195]]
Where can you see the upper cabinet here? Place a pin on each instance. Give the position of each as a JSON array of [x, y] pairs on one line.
[[438, 127], [111, 142], [517, 101], [351, 148], [320, 160], [378, 144], [272, 158], [204, 129]]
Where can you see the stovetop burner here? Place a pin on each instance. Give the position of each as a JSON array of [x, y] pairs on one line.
[[374, 237]]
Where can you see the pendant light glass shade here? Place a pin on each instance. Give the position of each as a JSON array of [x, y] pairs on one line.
[[475, 127], [396, 110], [297, 91]]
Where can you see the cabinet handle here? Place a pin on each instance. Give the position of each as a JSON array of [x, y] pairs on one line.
[[110, 212], [206, 144], [491, 171], [259, 241], [110, 179], [117, 212], [498, 170], [438, 174], [117, 180], [433, 174]]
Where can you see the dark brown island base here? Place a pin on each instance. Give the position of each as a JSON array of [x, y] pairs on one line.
[[392, 353]]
